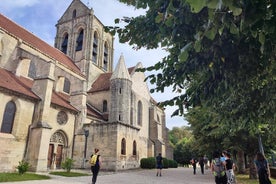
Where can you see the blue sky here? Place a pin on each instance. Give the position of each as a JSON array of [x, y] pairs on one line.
[[40, 18]]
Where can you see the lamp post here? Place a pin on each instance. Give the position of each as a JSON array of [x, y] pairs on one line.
[[86, 134]]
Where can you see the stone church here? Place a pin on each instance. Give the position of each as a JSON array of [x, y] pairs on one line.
[[63, 101]]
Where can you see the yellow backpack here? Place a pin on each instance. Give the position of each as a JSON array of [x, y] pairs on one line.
[[93, 160]]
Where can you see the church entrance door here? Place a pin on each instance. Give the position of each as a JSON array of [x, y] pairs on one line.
[[55, 151]]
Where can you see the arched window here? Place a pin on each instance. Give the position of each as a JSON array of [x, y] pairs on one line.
[[95, 48], [105, 60], [140, 113], [158, 119], [123, 146], [104, 106], [64, 44], [32, 70], [74, 14], [134, 151], [66, 86], [79, 41], [8, 118]]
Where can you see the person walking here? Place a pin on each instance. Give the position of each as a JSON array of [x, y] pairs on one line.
[[218, 168], [262, 168], [193, 163], [95, 162], [201, 164], [230, 166], [205, 162], [159, 164]]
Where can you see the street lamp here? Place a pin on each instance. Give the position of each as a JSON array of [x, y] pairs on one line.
[[86, 134]]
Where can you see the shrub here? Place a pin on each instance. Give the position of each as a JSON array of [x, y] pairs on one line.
[[172, 164], [67, 164], [23, 167], [165, 163], [148, 163]]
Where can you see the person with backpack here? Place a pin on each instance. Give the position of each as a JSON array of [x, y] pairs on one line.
[[218, 168], [262, 168], [95, 162], [159, 164]]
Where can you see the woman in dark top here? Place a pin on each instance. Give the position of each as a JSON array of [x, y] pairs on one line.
[[96, 168], [262, 167], [230, 166]]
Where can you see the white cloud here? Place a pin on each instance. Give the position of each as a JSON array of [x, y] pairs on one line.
[[18, 3]]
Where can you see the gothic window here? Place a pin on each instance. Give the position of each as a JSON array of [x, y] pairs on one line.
[[105, 61], [64, 44], [104, 106], [8, 118], [123, 146], [74, 14], [66, 86], [140, 113], [134, 151], [79, 41], [32, 70], [95, 48]]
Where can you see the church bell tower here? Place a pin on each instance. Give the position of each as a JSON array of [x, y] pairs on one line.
[[81, 36]]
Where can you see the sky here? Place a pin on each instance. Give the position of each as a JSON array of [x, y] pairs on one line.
[[40, 17]]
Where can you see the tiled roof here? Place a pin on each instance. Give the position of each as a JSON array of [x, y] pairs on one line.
[[102, 83], [36, 43], [16, 84], [62, 100], [91, 111]]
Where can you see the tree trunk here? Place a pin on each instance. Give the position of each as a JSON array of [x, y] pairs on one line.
[[240, 162], [252, 169]]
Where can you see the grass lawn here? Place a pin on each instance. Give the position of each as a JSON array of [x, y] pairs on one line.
[[68, 174], [243, 179], [7, 177]]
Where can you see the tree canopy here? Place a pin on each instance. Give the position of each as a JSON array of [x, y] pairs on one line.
[[221, 60]]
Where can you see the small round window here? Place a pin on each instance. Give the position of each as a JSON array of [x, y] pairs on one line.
[[62, 118]]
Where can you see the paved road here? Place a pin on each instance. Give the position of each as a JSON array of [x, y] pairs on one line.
[[169, 176]]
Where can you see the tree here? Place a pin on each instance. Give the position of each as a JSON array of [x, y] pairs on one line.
[[178, 133], [183, 151], [221, 59]]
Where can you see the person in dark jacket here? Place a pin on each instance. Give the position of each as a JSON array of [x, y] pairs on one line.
[[159, 164], [201, 164]]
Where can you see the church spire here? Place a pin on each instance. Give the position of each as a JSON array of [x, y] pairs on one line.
[[120, 71]]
